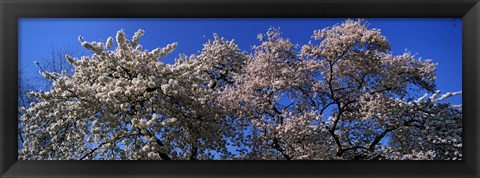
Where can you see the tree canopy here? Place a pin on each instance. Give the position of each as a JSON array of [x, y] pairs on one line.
[[343, 95]]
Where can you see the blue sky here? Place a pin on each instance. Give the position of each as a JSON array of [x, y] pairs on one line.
[[438, 39]]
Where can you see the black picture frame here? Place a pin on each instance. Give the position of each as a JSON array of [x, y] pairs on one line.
[[10, 11]]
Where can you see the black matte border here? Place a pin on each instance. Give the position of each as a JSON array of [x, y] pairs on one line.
[[11, 10]]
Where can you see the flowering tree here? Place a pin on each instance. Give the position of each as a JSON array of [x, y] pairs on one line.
[[342, 96], [55, 62]]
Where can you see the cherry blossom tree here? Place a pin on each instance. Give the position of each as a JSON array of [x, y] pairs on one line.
[[55, 62], [126, 104], [342, 96]]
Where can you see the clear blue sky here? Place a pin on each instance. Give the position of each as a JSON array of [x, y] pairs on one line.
[[438, 39]]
